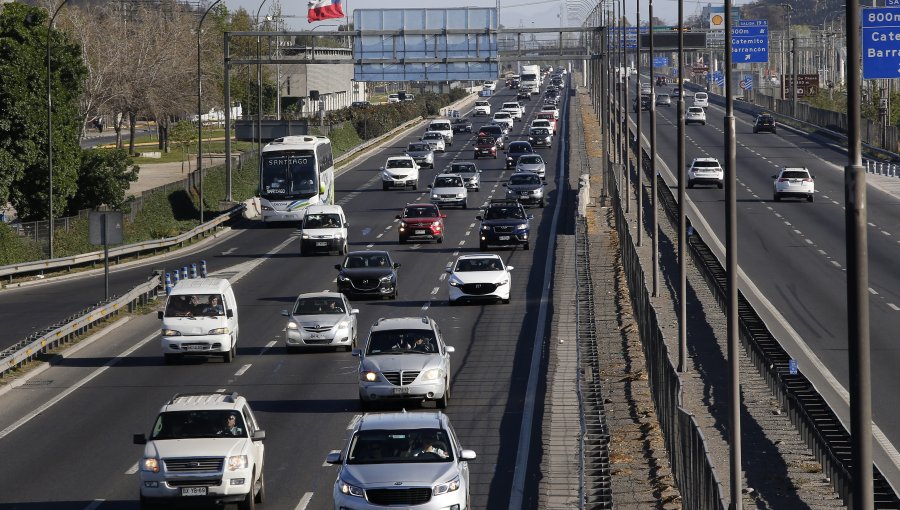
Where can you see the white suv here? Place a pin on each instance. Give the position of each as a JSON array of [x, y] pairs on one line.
[[514, 109], [400, 172], [481, 108], [203, 448], [695, 114], [324, 230], [706, 171], [794, 182]]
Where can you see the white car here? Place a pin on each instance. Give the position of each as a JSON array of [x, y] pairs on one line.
[[412, 458], [545, 123], [324, 230], [405, 358], [400, 172], [320, 319], [794, 182], [503, 118], [513, 108], [695, 114], [701, 99], [436, 140], [479, 277], [706, 171], [551, 108], [488, 85], [196, 439], [481, 108], [449, 189], [394, 98]]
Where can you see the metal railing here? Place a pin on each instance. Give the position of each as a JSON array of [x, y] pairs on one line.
[[76, 326]]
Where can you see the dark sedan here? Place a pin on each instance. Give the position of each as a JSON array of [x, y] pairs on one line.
[[368, 273], [515, 150]]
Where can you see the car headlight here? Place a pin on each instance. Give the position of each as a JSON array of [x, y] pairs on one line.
[[368, 376], [292, 325], [431, 375], [387, 278], [508, 158], [267, 208], [444, 488], [350, 490], [344, 324], [237, 462], [436, 224], [171, 332], [454, 282], [402, 225], [502, 283], [485, 228], [342, 278], [151, 465], [460, 195], [522, 227], [220, 331], [435, 196], [338, 236]]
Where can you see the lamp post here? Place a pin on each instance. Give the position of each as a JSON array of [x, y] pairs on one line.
[[199, 109], [50, 122], [787, 12], [259, 97]]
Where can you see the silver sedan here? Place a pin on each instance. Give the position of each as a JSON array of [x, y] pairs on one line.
[[320, 319], [532, 163]]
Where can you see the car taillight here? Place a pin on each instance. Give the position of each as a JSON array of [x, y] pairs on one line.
[[807, 180]]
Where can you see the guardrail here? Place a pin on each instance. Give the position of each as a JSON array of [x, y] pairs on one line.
[[67, 263], [76, 326]]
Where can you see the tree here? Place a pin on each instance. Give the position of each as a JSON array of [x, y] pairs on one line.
[[103, 179], [183, 134], [24, 173]]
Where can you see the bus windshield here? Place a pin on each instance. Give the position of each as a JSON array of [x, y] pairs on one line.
[[289, 175]]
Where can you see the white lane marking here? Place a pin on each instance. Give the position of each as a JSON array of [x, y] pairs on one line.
[[835, 263], [435, 290], [132, 470], [463, 242], [426, 305], [871, 224], [472, 225], [222, 390], [885, 232], [894, 307], [388, 227], [369, 245], [873, 291], [334, 280], [468, 232], [777, 215], [835, 202], [416, 246], [95, 504], [798, 232], [304, 501], [90, 377], [379, 236], [271, 344], [808, 241], [242, 370], [229, 251], [821, 252], [788, 223], [396, 220]]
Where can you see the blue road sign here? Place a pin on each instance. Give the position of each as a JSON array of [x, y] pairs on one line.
[[750, 41], [718, 78], [891, 3], [881, 42], [792, 367], [660, 61]]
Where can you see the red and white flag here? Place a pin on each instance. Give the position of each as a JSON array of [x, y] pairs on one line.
[[324, 9]]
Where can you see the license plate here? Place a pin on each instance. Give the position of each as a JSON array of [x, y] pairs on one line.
[[193, 491], [524, 193], [401, 391], [503, 238], [195, 348], [420, 232], [321, 243]]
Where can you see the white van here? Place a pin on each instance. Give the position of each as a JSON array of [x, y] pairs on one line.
[[200, 318], [324, 229], [443, 127], [701, 99]]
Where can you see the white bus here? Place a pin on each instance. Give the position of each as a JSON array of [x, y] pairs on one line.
[[297, 172]]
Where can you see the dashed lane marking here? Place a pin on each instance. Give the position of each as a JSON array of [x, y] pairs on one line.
[[873, 291], [894, 307], [304, 501], [242, 370], [435, 290], [132, 470]]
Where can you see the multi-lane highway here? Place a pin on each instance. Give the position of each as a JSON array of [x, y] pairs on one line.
[[794, 251], [65, 435]]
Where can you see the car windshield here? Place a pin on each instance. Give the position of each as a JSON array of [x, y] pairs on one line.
[[289, 175], [322, 221], [396, 341], [794, 174], [418, 147], [195, 305], [399, 163], [663, 96], [462, 168], [479, 264], [447, 182], [518, 179], [514, 106], [440, 126], [506, 212], [695, 109], [519, 148], [541, 122], [400, 447], [433, 136], [530, 160], [319, 305], [198, 424], [370, 260], [502, 115], [482, 103], [765, 120], [492, 129], [420, 212], [484, 141], [706, 164]]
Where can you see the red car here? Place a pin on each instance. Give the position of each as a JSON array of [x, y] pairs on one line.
[[421, 221], [485, 147]]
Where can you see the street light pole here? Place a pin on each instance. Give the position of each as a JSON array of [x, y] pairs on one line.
[[50, 122], [199, 108], [639, 165], [654, 214], [682, 221], [259, 98]]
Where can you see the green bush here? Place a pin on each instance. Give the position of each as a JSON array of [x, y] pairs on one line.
[[15, 249]]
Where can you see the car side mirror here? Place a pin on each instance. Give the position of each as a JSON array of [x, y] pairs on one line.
[[160, 314], [478, 218], [449, 348], [337, 266], [398, 217], [346, 224], [356, 353], [333, 458], [139, 439], [530, 216], [396, 265], [229, 313], [354, 311], [467, 455], [285, 313], [448, 270], [259, 435]]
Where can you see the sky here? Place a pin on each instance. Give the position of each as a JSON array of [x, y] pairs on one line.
[[513, 13]]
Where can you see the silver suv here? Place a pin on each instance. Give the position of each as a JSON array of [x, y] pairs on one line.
[[404, 359], [406, 459], [203, 448]]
